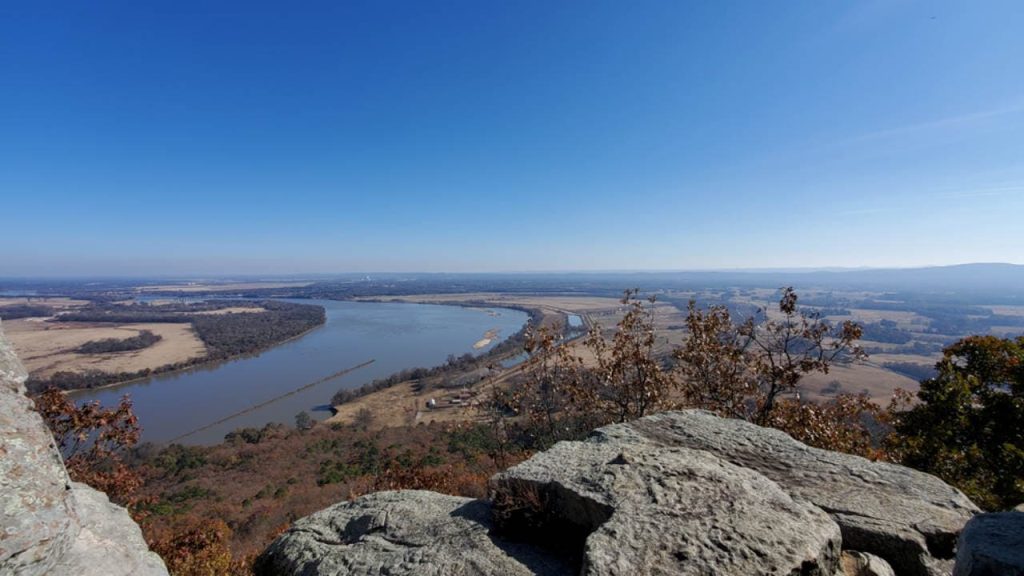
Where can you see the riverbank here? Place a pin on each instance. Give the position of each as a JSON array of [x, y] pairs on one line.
[[222, 337], [203, 364]]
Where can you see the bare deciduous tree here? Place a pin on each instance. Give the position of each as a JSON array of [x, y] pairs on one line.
[[628, 380]]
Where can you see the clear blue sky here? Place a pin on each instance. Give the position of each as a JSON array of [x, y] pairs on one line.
[[270, 137]]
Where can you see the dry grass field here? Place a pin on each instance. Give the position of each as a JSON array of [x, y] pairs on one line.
[[56, 303], [48, 347], [883, 358], [1007, 310], [402, 405], [876, 381]]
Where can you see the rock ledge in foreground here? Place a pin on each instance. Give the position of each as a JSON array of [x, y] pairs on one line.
[[407, 532], [649, 510], [908, 518]]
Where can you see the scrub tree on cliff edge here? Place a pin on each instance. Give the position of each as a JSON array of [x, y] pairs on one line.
[[629, 381], [564, 397], [742, 370], [747, 370], [93, 439], [968, 428]]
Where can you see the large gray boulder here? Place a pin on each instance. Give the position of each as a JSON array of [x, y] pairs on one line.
[[648, 510], [909, 518], [408, 532], [49, 525], [674, 493], [992, 545]]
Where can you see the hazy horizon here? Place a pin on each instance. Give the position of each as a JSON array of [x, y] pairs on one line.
[[270, 277], [187, 140]]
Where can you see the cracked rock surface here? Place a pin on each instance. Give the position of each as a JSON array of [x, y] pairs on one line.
[[404, 532]]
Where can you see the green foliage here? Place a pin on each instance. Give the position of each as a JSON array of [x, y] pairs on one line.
[[333, 472], [472, 441], [176, 458], [303, 421], [191, 492], [969, 427], [256, 435], [363, 458], [431, 458]]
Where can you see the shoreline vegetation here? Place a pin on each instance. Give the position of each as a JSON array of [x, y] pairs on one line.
[[226, 336]]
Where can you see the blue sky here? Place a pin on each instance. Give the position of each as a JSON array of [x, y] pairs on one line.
[[274, 138]]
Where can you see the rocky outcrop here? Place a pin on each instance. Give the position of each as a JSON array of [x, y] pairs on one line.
[[665, 510], [37, 518], [992, 545], [675, 493], [403, 533], [49, 525], [909, 518]]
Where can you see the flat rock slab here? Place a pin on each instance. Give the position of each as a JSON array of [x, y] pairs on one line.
[[908, 518], [992, 545], [407, 532], [639, 509]]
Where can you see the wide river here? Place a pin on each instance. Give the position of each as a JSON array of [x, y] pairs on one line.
[[394, 335]]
